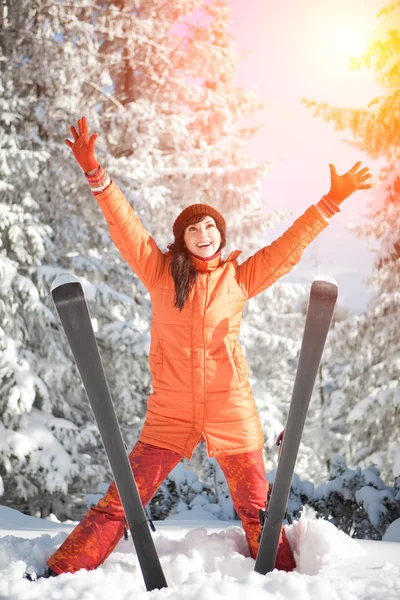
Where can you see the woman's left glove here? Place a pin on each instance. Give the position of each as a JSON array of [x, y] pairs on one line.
[[342, 186]]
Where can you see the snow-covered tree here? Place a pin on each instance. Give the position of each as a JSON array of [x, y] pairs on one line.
[[365, 372], [183, 490], [47, 438], [301, 493], [357, 501]]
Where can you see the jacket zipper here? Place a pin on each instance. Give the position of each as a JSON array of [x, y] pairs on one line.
[[204, 346]]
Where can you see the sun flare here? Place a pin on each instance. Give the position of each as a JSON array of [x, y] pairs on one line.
[[348, 41]]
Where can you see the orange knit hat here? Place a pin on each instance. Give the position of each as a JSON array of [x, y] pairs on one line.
[[197, 209]]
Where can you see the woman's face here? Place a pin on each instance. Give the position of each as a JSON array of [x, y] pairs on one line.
[[203, 238]]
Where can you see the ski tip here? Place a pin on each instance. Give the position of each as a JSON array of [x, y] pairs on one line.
[[63, 280], [325, 287], [325, 278]]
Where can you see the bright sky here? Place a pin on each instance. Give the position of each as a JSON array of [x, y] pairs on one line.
[[297, 49]]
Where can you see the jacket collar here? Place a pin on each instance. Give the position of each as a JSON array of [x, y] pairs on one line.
[[211, 265]]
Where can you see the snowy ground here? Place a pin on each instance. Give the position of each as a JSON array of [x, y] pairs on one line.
[[202, 559]]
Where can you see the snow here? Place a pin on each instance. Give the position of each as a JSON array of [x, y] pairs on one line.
[[203, 559], [373, 500], [392, 533]]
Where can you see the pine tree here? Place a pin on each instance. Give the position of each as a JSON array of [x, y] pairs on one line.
[[44, 419], [357, 501]]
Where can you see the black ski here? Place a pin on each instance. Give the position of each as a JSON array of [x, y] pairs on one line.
[[71, 306], [323, 295]]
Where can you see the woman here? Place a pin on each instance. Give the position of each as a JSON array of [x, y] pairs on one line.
[[199, 374]]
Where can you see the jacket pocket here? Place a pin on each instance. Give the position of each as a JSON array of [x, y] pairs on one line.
[[240, 363]]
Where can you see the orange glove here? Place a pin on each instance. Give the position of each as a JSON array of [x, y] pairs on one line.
[[342, 186], [83, 147]]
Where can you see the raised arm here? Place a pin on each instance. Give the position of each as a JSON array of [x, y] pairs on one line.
[[126, 230], [265, 267]]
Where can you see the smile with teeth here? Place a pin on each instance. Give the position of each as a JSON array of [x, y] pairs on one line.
[[204, 245]]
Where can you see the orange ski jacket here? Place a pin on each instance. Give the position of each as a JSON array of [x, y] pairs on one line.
[[199, 373]]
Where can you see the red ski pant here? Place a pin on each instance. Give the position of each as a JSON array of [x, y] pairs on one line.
[[96, 536]]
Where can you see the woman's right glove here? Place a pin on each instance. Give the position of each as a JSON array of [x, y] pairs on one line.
[[82, 147]]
